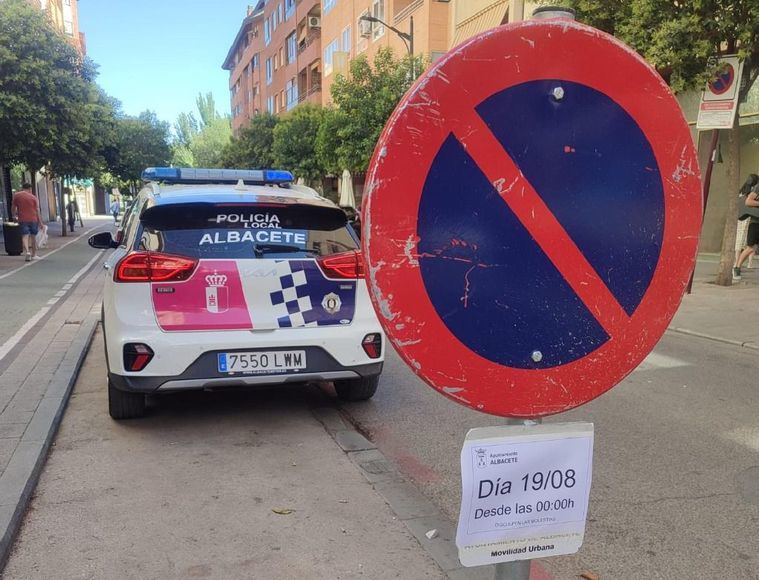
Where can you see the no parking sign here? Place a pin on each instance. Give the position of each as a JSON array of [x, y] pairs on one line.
[[532, 218]]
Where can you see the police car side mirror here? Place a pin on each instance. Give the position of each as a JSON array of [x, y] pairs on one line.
[[102, 241]]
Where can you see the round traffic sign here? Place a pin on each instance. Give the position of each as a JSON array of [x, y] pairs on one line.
[[532, 218], [723, 81]]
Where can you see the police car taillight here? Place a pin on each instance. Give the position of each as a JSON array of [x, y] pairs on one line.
[[137, 356], [344, 266], [154, 267], [372, 345]]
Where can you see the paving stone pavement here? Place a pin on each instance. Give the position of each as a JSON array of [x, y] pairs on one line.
[[34, 390]]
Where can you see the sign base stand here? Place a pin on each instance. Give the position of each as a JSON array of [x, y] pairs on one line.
[[520, 569]]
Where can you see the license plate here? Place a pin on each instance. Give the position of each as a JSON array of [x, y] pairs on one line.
[[279, 361]]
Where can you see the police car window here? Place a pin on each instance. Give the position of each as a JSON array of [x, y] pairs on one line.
[[245, 232]]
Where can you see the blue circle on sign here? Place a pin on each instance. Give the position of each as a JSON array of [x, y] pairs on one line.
[[489, 281]]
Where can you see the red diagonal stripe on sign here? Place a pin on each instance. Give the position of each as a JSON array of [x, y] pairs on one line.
[[546, 230]]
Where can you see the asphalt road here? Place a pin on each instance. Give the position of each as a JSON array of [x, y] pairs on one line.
[[676, 465]]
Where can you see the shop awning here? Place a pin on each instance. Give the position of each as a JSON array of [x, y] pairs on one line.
[[486, 19]]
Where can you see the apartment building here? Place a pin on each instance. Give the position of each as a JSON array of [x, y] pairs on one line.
[[345, 36], [64, 14], [275, 59]]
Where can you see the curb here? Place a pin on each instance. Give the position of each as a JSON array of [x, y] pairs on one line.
[[748, 344], [24, 469], [418, 514]]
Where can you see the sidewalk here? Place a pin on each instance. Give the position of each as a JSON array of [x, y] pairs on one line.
[[55, 242], [725, 314]]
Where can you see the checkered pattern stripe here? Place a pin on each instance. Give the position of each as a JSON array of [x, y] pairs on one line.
[[293, 296]]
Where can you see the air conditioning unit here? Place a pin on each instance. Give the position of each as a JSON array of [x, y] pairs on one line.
[[314, 22], [364, 28]]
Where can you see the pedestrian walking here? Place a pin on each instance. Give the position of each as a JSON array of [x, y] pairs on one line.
[[751, 212], [71, 214], [115, 210], [26, 209]]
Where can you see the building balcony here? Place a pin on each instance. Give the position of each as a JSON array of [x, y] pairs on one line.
[[312, 95]]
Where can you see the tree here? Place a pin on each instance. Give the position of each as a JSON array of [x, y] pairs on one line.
[[682, 40], [294, 145], [201, 143], [46, 98], [366, 99], [140, 142], [253, 147]]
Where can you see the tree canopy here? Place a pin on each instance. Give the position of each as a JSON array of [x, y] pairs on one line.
[[680, 38], [365, 99], [294, 145], [253, 147], [200, 141]]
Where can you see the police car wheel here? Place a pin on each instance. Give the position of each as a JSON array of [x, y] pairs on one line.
[[124, 405], [361, 389]]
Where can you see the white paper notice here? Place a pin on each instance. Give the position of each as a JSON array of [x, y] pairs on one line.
[[524, 492]]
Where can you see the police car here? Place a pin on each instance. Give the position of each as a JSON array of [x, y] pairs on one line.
[[224, 278]]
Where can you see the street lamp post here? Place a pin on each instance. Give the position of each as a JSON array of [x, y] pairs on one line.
[[406, 37]]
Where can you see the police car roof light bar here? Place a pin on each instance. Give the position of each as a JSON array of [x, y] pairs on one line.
[[198, 175]]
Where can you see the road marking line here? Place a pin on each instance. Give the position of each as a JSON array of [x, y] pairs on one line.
[[16, 338], [655, 361], [59, 293], [27, 264], [83, 270], [53, 301], [66, 287]]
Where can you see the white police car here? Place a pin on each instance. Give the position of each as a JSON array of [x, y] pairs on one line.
[[233, 278]]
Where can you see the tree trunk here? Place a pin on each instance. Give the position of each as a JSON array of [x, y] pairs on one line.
[[7, 189], [62, 207], [727, 257]]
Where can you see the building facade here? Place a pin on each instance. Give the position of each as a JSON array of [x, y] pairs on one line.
[[64, 15], [345, 35], [275, 59]]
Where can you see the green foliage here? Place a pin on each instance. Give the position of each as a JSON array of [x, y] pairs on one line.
[[50, 111], [366, 99], [186, 128], [253, 148], [201, 143], [680, 38], [294, 145], [140, 142], [328, 140]]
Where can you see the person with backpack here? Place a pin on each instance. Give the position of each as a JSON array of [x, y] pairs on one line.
[[750, 189]]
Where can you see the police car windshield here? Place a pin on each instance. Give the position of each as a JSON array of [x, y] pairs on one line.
[[257, 233]]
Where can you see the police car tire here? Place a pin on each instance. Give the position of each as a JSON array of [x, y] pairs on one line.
[[361, 389], [124, 405]]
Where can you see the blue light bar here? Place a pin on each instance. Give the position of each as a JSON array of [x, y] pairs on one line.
[[199, 175], [160, 173]]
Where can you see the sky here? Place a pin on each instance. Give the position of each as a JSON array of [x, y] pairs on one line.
[[160, 54]]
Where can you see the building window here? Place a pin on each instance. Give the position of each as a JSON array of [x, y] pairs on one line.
[[291, 93], [347, 40], [270, 104], [267, 32], [280, 13], [292, 48], [68, 28], [329, 52], [282, 56], [378, 11], [269, 71], [289, 8], [254, 63], [328, 5]]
